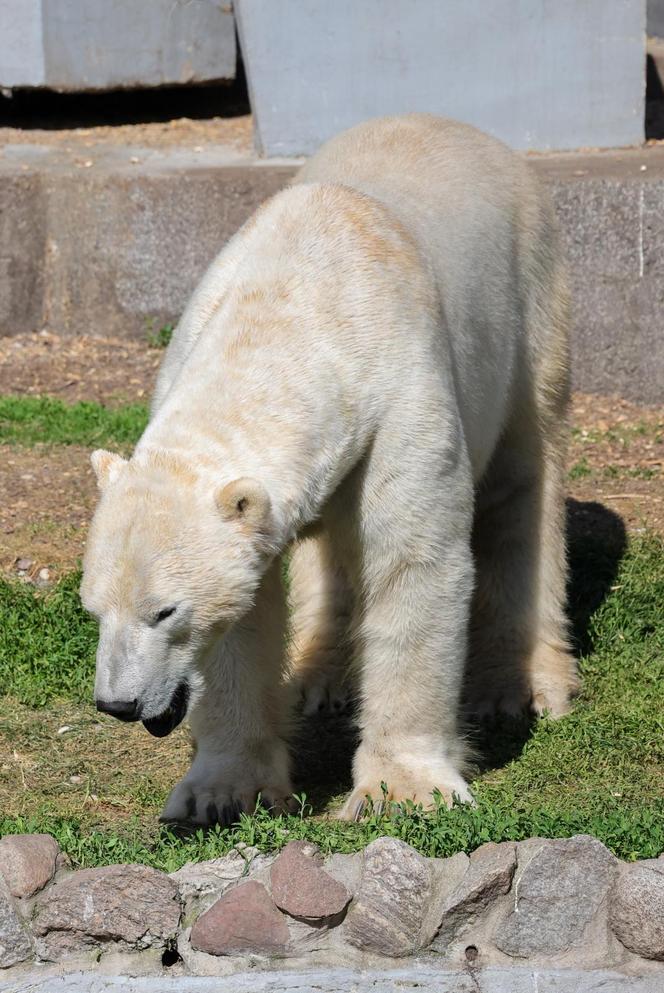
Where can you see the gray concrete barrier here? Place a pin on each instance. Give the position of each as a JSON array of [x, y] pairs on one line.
[[539, 75], [110, 248], [425, 980], [105, 44]]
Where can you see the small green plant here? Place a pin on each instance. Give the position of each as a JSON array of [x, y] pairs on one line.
[[580, 469], [160, 338]]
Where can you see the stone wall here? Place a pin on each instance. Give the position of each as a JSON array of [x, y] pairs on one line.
[[546, 904]]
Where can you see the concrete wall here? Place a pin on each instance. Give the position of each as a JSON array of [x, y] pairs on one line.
[[106, 250], [656, 18], [105, 44], [536, 73]]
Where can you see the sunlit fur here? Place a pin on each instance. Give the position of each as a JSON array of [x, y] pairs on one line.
[[380, 358]]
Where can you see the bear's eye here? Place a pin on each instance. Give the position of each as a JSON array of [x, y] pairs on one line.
[[163, 614]]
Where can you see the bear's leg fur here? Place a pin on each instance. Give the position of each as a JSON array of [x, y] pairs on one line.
[[519, 654], [320, 606], [413, 580], [241, 723]]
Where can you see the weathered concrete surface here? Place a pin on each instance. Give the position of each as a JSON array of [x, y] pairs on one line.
[[316, 68], [426, 980], [111, 246], [104, 44]]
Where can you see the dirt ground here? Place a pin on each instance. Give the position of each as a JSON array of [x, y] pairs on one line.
[[178, 132], [47, 494]]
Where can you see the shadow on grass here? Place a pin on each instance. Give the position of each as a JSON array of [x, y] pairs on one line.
[[596, 540], [596, 543]]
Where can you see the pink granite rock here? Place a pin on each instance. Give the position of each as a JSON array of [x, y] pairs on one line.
[[388, 914], [637, 908], [27, 862], [15, 943], [129, 903], [302, 888], [244, 921]]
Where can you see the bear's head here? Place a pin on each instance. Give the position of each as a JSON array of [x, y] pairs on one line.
[[171, 562]]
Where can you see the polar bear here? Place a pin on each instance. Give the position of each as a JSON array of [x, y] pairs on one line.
[[372, 377]]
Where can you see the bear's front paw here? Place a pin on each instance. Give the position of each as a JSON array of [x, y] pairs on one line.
[[393, 783], [217, 790]]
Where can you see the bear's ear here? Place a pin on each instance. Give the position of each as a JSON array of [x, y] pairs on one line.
[[106, 465], [247, 502]]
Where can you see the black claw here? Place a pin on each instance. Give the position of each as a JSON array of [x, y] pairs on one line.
[[230, 813], [211, 813], [191, 808], [321, 707]]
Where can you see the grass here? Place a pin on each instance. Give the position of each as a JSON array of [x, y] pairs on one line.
[[98, 785], [47, 643], [160, 338], [622, 434], [580, 469], [28, 420], [583, 470]]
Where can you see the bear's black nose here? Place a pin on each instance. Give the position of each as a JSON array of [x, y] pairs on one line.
[[124, 710]]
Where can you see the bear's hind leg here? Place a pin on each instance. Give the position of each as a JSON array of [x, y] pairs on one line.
[[519, 655], [320, 606]]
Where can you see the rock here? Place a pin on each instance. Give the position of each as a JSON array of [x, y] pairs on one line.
[[637, 908], [447, 876], [489, 875], [302, 888], [558, 889], [346, 869], [43, 579], [27, 862], [389, 910], [24, 564], [202, 883], [244, 921], [130, 903], [15, 944]]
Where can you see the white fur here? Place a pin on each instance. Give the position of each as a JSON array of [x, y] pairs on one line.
[[381, 352]]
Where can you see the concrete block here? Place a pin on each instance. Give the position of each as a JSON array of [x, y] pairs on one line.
[[327, 979], [106, 44], [112, 248], [23, 243], [21, 46], [612, 228], [539, 75], [656, 18]]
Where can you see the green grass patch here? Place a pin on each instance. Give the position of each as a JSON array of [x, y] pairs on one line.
[[98, 786], [629, 472], [580, 469], [27, 420], [47, 643], [160, 338], [621, 434]]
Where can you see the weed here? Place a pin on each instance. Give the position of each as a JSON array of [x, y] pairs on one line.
[[580, 469], [160, 338]]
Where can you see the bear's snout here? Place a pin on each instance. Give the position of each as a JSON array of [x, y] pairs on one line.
[[124, 710]]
